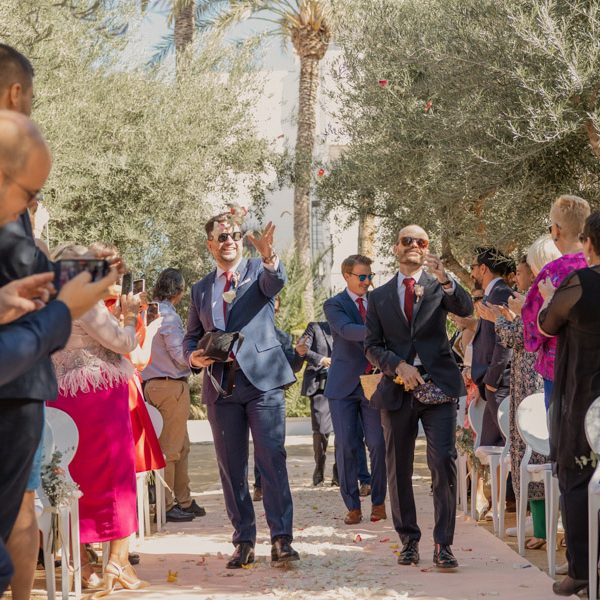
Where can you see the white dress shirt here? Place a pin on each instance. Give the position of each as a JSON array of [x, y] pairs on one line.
[[355, 298]]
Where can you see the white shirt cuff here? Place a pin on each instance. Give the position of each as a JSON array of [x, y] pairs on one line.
[[272, 267], [451, 289]]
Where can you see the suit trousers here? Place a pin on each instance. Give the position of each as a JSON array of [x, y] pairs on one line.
[[573, 485], [231, 418], [21, 425], [345, 413], [490, 431], [400, 428], [172, 398]]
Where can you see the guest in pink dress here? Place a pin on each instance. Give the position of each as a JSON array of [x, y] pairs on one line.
[[93, 380], [567, 215]]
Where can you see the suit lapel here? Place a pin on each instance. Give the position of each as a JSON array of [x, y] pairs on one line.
[[206, 299], [394, 299], [351, 307], [426, 281], [242, 286]]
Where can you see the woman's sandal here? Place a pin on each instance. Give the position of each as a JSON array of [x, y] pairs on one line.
[[93, 582], [125, 576], [535, 543]]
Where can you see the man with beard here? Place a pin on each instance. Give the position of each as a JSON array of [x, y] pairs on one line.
[[407, 340]]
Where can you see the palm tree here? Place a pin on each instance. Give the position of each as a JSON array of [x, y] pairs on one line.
[[307, 24]]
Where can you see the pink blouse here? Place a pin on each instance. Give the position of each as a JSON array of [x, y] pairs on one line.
[[545, 347]]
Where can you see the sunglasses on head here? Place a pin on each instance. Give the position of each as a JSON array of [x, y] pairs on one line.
[[408, 241], [236, 236], [363, 277]]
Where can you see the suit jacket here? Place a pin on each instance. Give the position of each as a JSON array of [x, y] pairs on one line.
[[391, 339], [320, 342], [491, 360], [20, 257], [348, 361], [260, 356]]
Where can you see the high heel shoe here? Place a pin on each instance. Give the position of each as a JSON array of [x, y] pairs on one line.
[[125, 576]]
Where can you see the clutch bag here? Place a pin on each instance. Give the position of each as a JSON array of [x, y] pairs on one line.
[[218, 345]]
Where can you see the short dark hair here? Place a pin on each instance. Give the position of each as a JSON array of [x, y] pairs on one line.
[[210, 224], [14, 67], [591, 230], [355, 259], [495, 260], [169, 284]]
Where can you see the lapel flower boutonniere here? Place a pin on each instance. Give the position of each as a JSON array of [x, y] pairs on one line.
[[419, 291], [229, 295]]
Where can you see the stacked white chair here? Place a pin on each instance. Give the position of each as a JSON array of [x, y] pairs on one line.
[[491, 457], [62, 435], [592, 432], [532, 424], [503, 421], [461, 461]]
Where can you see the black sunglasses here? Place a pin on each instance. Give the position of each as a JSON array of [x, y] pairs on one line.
[[364, 277], [236, 236], [408, 241]]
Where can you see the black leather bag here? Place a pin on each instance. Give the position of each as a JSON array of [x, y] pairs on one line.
[[218, 345]]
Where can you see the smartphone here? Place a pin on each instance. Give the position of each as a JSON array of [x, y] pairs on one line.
[[152, 313], [127, 284], [66, 269], [139, 286]]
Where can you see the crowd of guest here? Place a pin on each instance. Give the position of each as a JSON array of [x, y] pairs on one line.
[[89, 346]]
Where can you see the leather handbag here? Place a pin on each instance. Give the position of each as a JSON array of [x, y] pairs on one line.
[[218, 345]]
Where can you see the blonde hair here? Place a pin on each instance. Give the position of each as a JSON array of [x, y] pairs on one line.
[[541, 252], [570, 213], [69, 250]]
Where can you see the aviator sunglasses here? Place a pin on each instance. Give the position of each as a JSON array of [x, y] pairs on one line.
[[408, 241], [362, 278], [236, 236]]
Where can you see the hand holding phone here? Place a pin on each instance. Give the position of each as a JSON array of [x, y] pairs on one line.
[[152, 312], [69, 268]]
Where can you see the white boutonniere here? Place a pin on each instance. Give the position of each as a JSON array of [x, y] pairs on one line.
[[419, 291], [230, 294]]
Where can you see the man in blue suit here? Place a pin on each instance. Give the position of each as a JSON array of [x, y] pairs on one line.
[[238, 296], [346, 313]]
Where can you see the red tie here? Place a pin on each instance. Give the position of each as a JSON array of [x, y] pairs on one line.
[[361, 309], [228, 279], [409, 297]]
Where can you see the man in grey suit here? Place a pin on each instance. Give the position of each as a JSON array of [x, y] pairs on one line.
[[407, 339]]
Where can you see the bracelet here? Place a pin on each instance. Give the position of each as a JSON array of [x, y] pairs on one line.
[[269, 260]]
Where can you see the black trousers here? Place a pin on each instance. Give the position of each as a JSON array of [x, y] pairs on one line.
[[21, 424], [573, 484], [400, 429]]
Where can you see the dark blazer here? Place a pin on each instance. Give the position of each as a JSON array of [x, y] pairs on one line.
[[348, 361], [320, 342], [20, 257], [390, 339], [261, 356], [491, 360]]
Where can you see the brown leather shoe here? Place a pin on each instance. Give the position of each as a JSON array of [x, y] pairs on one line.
[[378, 513], [353, 517]]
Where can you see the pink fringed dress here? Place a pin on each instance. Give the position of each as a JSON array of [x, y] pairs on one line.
[[92, 377]]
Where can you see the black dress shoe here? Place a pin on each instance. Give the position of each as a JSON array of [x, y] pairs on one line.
[[443, 557], [178, 515], [134, 558], [318, 476], [569, 586], [282, 551], [242, 555], [409, 555], [194, 509]]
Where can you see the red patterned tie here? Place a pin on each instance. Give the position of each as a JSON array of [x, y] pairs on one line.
[[409, 298], [228, 279], [361, 309]]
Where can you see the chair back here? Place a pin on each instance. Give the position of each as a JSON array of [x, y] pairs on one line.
[[532, 423], [592, 425], [476, 411], [156, 418], [503, 418], [462, 409], [64, 432]]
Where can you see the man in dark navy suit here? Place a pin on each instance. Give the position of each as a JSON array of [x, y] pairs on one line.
[[239, 296], [346, 314], [407, 339]]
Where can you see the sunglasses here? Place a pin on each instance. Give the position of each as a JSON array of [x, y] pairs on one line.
[[236, 236], [477, 298], [363, 277], [408, 241]]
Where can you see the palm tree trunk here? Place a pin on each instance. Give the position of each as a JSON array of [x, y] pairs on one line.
[[307, 123], [184, 24], [366, 234]]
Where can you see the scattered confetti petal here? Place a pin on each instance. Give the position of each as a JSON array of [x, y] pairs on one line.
[[172, 576]]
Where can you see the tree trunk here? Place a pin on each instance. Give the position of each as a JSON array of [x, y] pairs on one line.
[[452, 264], [366, 234], [184, 25], [307, 123]]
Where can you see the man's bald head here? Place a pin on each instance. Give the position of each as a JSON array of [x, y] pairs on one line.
[[411, 246], [16, 80], [25, 163]]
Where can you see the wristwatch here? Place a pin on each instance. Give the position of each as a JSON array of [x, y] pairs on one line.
[[446, 283]]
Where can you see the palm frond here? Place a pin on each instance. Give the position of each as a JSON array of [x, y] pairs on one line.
[[162, 50]]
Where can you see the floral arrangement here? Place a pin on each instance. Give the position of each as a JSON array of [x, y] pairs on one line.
[[465, 444], [583, 461], [419, 291]]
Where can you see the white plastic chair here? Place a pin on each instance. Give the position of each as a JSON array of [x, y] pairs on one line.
[[533, 427], [62, 436], [592, 432], [475, 413], [461, 461], [503, 421], [491, 457]]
